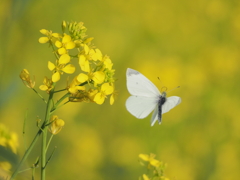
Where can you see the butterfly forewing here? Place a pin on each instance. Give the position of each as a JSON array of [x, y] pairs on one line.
[[139, 85], [141, 107]]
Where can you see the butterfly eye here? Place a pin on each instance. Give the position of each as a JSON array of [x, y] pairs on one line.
[[164, 89]]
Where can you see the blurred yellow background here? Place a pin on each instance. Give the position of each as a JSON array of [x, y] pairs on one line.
[[194, 44]]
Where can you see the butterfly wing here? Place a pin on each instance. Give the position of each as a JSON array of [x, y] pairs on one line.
[[139, 85], [140, 106], [170, 103], [154, 116]]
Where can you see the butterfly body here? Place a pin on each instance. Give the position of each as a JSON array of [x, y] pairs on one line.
[[145, 97], [161, 101]]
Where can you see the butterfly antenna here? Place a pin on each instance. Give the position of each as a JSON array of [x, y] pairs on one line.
[[164, 88], [174, 88]]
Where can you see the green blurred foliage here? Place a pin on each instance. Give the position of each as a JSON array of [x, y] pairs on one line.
[[194, 44]]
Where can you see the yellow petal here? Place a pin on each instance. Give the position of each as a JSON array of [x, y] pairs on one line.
[[82, 88], [44, 31], [64, 24], [98, 77], [82, 77], [64, 59], [70, 45], [88, 40], [43, 40], [98, 54], [58, 44], [145, 177], [51, 66], [69, 69], [107, 89], [99, 98], [73, 89], [62, 51], [92, 93], [59, 122], [155, 163], [144, 157], [92, 53], [112, 99], [24, 75], [84, 64], [56, 35], [86, 49], [66, 39], [108, 63], [56, 77], [43, 87]]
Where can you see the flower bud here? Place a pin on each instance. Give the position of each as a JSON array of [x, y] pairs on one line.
[[25, 76], [56, 125]]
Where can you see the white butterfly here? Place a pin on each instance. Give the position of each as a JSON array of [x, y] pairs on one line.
[[145, 97]]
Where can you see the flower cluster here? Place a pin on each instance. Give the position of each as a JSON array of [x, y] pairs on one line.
[[72, 48], [154, 167]]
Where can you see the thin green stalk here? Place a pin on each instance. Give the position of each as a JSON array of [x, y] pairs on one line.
[[49, 141], [24, 125], [60, 90], [44, 135], [39, 95], [27, 152], [59, 101], [50, 156], [33, 173]]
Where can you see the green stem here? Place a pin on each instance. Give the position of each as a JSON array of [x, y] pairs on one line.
[[49, 141], [44, 135], [24, 125], [59, 101], [60, 90], [39, 95], [27, 152]]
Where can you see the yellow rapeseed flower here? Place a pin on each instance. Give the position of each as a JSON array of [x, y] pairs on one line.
[[88, 55], [97, 80], [50, 36], [106, 89], [98, 77], [107, 62], [84, 63], [74, 87], [65, 44], [95, 54], [61, 67], [151, 159], [92, 93], [47, 85]]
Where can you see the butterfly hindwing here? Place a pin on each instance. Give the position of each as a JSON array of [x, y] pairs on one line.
[[170, 103], [140, 106]]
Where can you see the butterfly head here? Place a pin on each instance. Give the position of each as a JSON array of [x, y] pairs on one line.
[[164, 91]]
